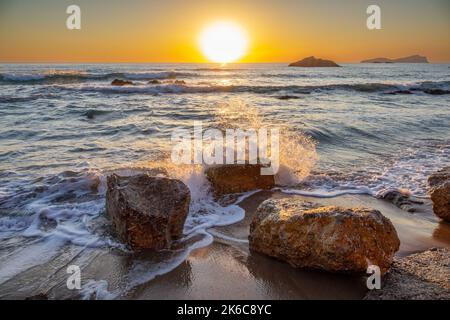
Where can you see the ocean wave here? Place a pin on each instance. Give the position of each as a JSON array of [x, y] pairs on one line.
[[212, 69], [422, 87], [68, 77]]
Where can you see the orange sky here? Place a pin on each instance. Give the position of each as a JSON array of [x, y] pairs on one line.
[[167, 30]]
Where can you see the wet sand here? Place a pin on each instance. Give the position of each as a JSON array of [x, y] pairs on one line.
[[226, 269]]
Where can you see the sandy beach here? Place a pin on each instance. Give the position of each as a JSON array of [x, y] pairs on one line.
[[226, 269]]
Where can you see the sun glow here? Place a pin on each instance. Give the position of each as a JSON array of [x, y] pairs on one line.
[[223, 42]]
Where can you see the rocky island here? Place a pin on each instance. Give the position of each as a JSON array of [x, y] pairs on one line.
[[410, 59], [313, 62]]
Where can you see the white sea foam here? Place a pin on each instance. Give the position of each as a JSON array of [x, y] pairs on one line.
[[323, 193]]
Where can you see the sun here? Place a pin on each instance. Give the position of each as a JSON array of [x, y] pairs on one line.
[[223, 42]]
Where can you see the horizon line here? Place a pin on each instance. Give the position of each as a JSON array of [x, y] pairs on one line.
[[180, 62]]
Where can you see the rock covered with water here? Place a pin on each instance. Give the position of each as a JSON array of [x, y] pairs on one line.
[[118, 82], [237, 178], [314, 62], [440, 193], [329, 238], [436, 92], [147, 212], [401, 199], [420, 276]]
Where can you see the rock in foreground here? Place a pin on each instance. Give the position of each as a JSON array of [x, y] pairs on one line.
[[421, 276], [329, 238], [237, 178], [147, 212], [314, 62], [440, 193]]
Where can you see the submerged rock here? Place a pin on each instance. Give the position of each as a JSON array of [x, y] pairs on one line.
[[440, 193], [287, 97], [147, 212], [421, 276], [400, 199], [118, 82], [154, 81], [314, 62], [400, 92], [329, 238], [436, 92], [237, 178]]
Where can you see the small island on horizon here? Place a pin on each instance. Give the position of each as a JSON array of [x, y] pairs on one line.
[[410, 59], [313, 62]]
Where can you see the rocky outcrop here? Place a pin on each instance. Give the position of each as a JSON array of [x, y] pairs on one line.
[[118, 82], [314, 62], [421, 276], [237, 178], [154, 81], [410, 59], [400, 199], [440, 193], [329, 238], [147, 212]]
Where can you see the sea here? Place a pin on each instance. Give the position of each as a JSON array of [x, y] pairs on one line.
[[358, 129]]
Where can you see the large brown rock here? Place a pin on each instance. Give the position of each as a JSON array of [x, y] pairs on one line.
[[329, 238], [420, 276], [313, 62], [237, 178], [440, 193], [147, 212]]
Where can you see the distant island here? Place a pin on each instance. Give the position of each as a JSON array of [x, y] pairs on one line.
[[312, 62], [410, 59]]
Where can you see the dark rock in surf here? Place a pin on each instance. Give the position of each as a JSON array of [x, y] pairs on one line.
[[313, 62], [118, 82], [400, 92], [400, 199], [180, 82], [287, 97], [147, 212], [237, 178], [154, 81], [436, 92], [439, 191]]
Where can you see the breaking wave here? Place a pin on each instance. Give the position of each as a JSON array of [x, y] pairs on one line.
[[70, 77], [187, 88]]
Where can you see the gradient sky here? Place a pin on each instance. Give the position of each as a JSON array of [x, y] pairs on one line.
[[167, 30]]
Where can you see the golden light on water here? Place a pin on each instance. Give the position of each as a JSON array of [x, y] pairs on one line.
[[223, 42]]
